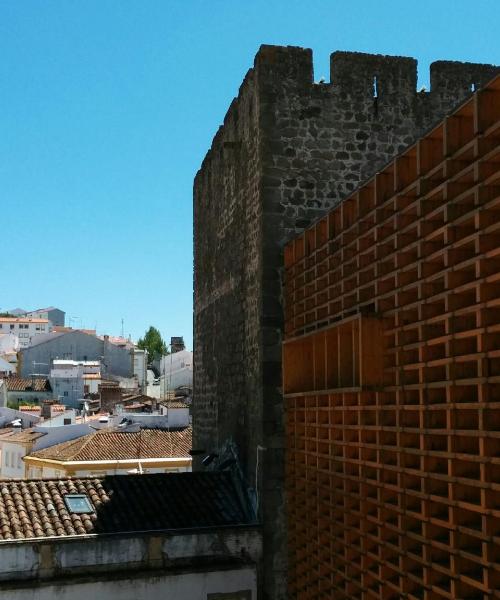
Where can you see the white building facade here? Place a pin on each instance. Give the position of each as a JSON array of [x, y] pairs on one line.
[[17, 445], [140, 359], [177, 370], [55, 315], [72, 379], [25, 328]]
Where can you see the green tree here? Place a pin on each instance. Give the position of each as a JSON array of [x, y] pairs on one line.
[[153, 343]]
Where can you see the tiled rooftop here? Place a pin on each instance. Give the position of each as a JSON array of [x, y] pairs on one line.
[[23, 436], [121, 503], [174, 404], [136, 398], [23, 320], [30, 409], [28, 384], [122, 445]]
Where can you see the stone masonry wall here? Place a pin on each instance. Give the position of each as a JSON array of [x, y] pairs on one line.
[[288, 151], [227, 239]]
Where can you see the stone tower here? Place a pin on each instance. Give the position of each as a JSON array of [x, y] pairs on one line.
[[289, 150]]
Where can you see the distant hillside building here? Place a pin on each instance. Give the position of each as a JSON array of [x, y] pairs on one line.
[[72, 379], [16, 312], [25, 328], [55, 315], [79, 346]]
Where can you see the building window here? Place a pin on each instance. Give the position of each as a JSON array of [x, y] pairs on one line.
[[65, 393], [12, 326], [78, 504]]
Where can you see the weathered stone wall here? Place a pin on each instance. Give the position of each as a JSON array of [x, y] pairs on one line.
[[288, 151], [227, 217]]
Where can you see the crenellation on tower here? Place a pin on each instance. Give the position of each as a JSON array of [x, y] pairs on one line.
[[373, 74]]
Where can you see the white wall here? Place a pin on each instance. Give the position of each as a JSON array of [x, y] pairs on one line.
[[126, 470], [140, 366], [57, 435], [9, 342], [51, 473], [57, 419], [9, 414], [189, 586], [6, 367], [45, 473], [12, 465], [176, 417], [103, 567], [177, 369]]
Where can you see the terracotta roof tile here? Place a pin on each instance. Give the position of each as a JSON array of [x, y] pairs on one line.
[[30, 409], [23, 320], [25, 435], [27, 384], [174, 404], [122, 445], [121, 503]]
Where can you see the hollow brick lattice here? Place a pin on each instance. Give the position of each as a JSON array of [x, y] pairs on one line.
[[392, 376]]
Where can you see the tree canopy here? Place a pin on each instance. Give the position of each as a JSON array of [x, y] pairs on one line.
[[153, 343]]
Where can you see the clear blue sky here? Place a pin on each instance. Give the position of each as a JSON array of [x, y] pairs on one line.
[[108, 107]]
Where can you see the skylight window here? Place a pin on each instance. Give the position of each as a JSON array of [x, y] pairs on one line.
[[78, 504]]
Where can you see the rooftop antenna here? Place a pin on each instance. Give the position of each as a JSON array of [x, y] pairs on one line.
[[122, 328]]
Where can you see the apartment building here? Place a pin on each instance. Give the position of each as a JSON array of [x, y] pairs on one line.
[[25, 328]]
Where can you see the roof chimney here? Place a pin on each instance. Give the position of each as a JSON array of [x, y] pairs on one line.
[[45, 412]]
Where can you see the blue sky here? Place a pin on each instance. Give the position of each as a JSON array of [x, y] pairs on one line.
[[108, 107]]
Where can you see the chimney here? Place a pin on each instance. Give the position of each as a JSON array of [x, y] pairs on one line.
[[45, 412], [177, 344]]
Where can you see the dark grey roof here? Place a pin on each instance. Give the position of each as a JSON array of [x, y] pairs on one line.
[[41, 338]]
